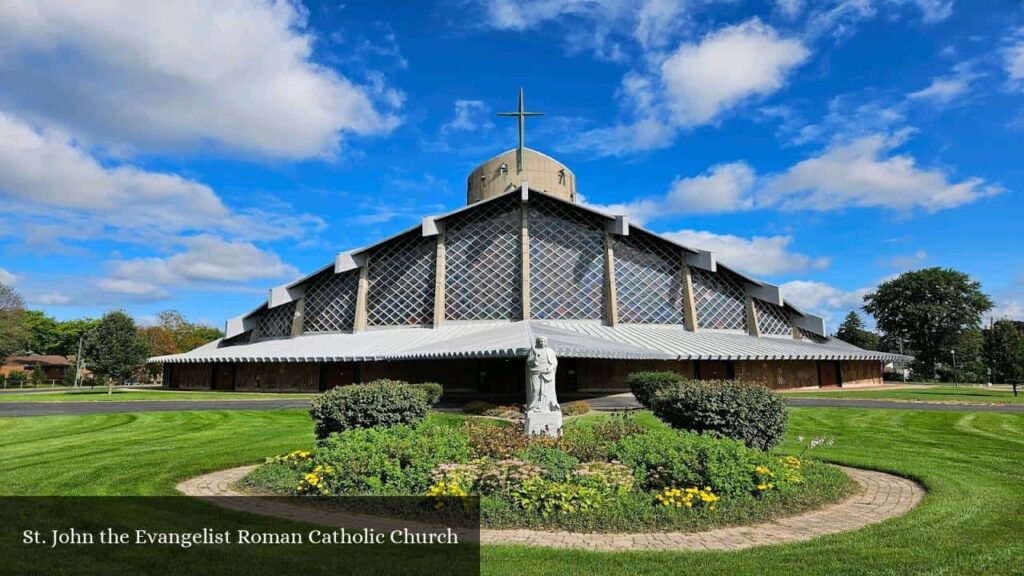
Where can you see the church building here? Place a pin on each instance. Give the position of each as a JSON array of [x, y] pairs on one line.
[[460, 298]]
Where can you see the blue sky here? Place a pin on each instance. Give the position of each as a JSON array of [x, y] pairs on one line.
[[191, 155]]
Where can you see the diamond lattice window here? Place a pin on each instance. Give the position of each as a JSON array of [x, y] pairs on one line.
[[331, 302], [401, 275], [647, 280], [808, 335], [277, 322], [566, 261], [772, 319], [482, 262], [719, 299]]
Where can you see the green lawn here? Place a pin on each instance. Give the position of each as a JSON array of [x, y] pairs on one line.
[[970, 523], [100, 395], [963, 394]]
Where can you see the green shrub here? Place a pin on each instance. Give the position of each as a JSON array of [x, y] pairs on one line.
[[546, 497], [37, 377], [17, 379], [557, 465], [477, 407], [608, 478], [575, 408], [378, 403], [644, 385], [492, 439], [740, 410], [505, 476], [393, 460], [272, 478], [663, 458], [591, 439], [3, 381], [432, 390]]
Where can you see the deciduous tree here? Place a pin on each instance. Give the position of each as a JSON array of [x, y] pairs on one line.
[[114, 348], [1004, 352], [13, 332], [852, 331], [929, 309]]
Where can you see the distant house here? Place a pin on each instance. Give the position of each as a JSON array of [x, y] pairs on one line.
[[54, 367]]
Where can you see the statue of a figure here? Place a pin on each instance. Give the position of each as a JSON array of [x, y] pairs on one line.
[[542, 363]]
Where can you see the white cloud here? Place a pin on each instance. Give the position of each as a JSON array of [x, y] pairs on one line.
[[470, 115], [206, 259], [57, 189], [933, 10], [1013, 57], [727, 66], [1009, 309], [759, 255], [148, 74], [908, 261], [947, 89], [825, 300], [789, 8], [7, 277], [51, 298], [865, 173]]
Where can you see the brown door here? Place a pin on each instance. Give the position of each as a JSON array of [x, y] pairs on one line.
[[502, 376], [828, 374], [567, 376], [334, 374], [224, 377], [714, 370]]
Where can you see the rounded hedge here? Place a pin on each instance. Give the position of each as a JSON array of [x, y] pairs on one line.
[[740, 410], [644, 385], [377, 403], [432, 390]]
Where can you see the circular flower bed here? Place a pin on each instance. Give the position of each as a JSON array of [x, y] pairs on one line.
[[606, 473]]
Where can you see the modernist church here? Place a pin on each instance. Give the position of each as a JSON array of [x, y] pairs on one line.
[[460, 298]]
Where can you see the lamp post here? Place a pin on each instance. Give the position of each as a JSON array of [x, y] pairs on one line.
[[956, 379]]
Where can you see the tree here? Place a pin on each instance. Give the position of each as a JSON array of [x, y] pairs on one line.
[[1004, 352], [70, 331], [852, 331], [929, 309], [187, 335], [13, 333], [44, 337], [37, 377], [115, 349], [161, 343]]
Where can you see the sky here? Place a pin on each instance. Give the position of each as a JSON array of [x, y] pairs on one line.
[[193, 154]]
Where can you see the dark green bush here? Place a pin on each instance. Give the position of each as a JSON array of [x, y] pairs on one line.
[[555, 462], [662, 458], [272, 478], [378, 403], [432, 390], [740, 410], [644, 385], [393, 460], [592, 439], [17, 379]]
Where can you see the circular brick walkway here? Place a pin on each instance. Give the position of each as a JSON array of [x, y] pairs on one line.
[[880, 496]]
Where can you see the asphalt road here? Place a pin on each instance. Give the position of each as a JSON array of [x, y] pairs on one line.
[[604, 403]]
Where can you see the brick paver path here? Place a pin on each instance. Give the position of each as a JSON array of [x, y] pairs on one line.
[[881, 496]]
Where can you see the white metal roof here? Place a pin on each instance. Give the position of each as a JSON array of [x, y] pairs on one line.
[[571, 339]]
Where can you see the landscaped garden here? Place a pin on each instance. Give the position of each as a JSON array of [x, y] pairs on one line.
[[704, 461], [970, 522]]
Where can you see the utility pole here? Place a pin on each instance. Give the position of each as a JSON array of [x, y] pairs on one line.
[[78, 361], [956, 379]]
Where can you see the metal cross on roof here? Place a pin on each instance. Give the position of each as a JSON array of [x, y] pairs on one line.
[[521, 114]]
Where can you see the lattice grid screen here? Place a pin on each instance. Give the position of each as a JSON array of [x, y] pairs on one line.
[[719, 299], [277, 322], [647, 280], [331, 302], [772, 319], [566, 262], [808, 335], [401, 275], [483, 264]]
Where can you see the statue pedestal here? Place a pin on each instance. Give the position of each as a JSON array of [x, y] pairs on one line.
[[546, 423]]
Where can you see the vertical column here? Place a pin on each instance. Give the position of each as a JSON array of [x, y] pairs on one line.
[[298, 317], [752, 326], [689, 307], [440, 262], [255, 331], [361, 292], [796, 334], [611, 304], [524, 248]]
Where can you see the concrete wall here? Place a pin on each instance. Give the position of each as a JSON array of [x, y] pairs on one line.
[[779, 374], [542, 172], [277, 377], [598, 374], [190, 376]]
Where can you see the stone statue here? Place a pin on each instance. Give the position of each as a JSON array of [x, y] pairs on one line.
[[543, 414]]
